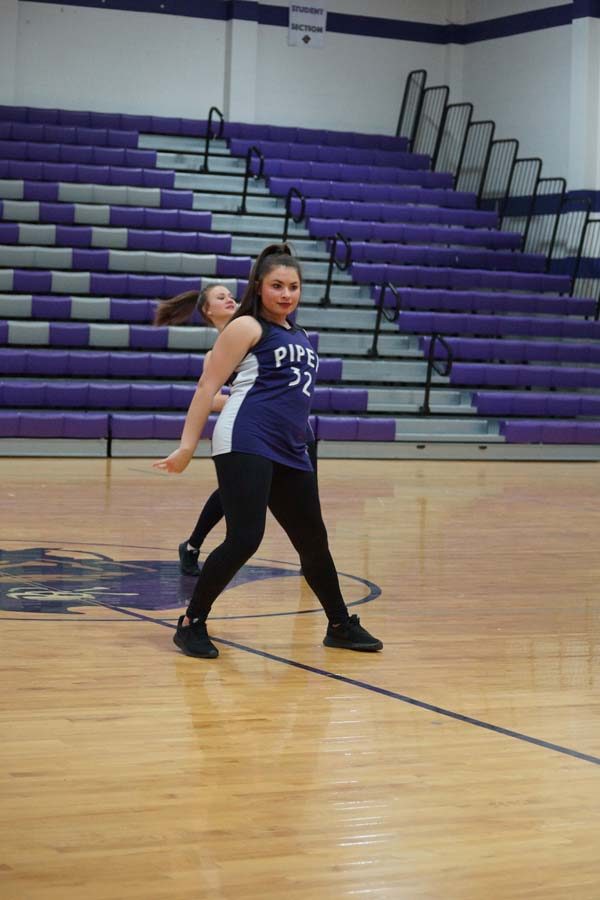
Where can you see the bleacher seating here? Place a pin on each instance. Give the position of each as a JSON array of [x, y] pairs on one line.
[[176, 219], [99, 121], [401, 233], [95, 226]]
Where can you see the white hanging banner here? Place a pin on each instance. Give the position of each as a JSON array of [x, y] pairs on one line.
[[307, 26]]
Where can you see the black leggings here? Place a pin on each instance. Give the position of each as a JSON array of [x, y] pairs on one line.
[[249, 484], [211, 515], [212, 512]]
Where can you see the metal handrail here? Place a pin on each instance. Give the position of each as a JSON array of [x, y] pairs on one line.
[[448, 108], [561, 201], [597, 311], [591, 222], [432, 367], [407, 86], [536, 160], [373, 352], [210, 135], [581, 243], [532, 201], [488, 154], [500, 201], [474, 127], [293, 192], [248, 173], [425, 119], [333, 261]]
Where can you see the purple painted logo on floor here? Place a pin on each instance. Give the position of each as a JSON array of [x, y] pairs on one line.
[[55, 580]]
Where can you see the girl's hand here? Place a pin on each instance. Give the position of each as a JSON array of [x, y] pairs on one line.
[[175, 462]]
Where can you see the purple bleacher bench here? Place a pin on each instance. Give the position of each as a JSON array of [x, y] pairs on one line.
[[132, 426], [353, 428], [530, 403], [525, 376], [481, 302], [550, 432], [47, 424]]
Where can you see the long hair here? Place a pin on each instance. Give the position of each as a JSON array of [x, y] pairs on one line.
[[272, 256], [178, 309]]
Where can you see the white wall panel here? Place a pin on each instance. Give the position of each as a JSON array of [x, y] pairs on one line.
[[108, 60], [522, 82], [9, 17], [353, 83]]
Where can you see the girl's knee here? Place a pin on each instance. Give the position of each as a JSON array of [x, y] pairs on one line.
[[243, 547]]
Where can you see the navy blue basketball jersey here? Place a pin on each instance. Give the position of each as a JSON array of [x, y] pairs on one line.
[[267, 411]]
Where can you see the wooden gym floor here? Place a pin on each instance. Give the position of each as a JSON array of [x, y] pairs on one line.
[[462, 763]]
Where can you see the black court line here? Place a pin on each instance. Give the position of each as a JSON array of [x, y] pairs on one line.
[[365, 686], [394, 695]]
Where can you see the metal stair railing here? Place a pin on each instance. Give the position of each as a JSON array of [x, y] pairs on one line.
[[249, 173], [433, 366], [523, 185], [450, 146], [473, 166], [586, 271], [210, 135], [498, 177], [390, 315], [593, 227], [431, 115], [333, 261], [293, 192], [541, 227], [410, 110], [569, 237]]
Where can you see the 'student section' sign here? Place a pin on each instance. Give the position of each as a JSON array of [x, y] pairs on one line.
[[307, 25]]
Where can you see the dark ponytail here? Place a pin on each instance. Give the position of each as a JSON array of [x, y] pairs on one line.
[[178, 309], [272, 256]]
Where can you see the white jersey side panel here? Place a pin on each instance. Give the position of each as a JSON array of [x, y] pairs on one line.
[[244, 381]]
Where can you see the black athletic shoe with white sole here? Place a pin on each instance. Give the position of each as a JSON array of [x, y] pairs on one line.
[[351, 636], [194, 640], [188, 560]]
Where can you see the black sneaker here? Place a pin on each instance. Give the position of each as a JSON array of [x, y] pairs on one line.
[[194, 640], [351, 636], [188, 560]]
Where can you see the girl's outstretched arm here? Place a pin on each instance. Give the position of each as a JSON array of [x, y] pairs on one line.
[[229, 350]]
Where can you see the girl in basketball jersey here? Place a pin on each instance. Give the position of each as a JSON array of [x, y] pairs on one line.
[[259, 449], [216, 305]]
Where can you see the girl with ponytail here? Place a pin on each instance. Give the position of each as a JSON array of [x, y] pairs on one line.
[[216, 304], [259, 449]]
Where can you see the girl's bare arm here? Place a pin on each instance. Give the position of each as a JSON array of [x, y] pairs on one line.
[[230, 348]]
